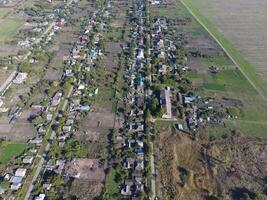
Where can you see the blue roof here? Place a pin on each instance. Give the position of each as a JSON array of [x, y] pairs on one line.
[[140, 151], [85, 108], [16, 179]]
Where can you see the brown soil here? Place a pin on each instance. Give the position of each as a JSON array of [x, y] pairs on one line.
[[224, 168]]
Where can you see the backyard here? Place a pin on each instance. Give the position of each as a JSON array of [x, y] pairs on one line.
[[8, 150]]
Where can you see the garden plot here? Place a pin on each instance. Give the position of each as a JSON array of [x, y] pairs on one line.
[[112, 50], [22, 130]]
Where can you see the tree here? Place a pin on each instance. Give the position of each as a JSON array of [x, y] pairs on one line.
[[154, 105]]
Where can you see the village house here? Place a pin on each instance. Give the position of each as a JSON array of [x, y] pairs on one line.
[[136, 127], [129, 143], [155, 2], [127, 187], [140, 53], [20, 78], [27, 160], [24, 44], [56, 99], [130, 163], [20, 172], [40, 197]]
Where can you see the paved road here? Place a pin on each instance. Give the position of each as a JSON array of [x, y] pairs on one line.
[[41, 162], [66, 99], [153, 172], [7, 82], [38, 170]]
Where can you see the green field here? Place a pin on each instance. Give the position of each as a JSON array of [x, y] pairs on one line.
[[114, 33], [231, 83], [192, 74], [214, 86], [8, 29], [221, 61], [236, 86], [9, 150], [246, 68], [240, 83], [171, 12], [111, 187], [4, 12], [248, 128]]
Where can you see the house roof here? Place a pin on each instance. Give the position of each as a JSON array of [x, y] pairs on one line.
[[21, 172], [16, 179]]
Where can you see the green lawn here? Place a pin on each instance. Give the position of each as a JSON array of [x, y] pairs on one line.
[[246, 68], [114, 33], [230, 80], [192, 75], [214, 86], [105, 98], [231, 83], [10, 150], [8, 29], [111, 187], [219, 61], [233, 111], [170, 12], [250, 129], [198, 30]]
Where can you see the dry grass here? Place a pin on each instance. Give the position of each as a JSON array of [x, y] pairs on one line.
[[191, 169], [189, 177]]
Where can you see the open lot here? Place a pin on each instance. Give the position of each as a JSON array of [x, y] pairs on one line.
[[91, 177], [22, 130], [189, 170]]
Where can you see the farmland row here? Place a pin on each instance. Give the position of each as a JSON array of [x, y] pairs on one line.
[[245, 67]]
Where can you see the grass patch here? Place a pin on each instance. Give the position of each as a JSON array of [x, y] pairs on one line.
[[171, 12], [10, 150], [192, 75], [111, 187], [248, 128], [214, 86], [104, 99], [242, 63], [216, 61], [231, 81], [233, 111], [8, 29], [198, 30], [4, 12], [165, 123], [114, 33], [114, 102]]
